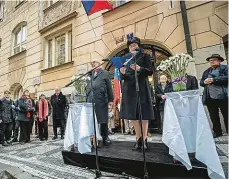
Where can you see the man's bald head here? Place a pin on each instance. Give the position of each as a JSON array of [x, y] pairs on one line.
[[95, 63], [57, 90]]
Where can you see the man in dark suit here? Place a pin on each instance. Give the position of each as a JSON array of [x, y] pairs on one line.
[[192, 83], [58, 102], [102, 94], [215, 95]]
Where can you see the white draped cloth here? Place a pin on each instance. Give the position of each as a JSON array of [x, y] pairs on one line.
[[186, 130], [80, 127]]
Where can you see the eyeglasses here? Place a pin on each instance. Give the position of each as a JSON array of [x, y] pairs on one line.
[[133, 45]]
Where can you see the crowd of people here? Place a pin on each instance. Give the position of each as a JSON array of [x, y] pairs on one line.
[[20, 115], [17, 117]]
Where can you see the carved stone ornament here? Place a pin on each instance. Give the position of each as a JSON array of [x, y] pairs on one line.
[[55, 12]]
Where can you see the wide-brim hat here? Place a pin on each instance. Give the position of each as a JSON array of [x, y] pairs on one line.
[[133, 40], [215, 56]]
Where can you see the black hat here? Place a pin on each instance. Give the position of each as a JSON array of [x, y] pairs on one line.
[[215, 56], [133, 40]]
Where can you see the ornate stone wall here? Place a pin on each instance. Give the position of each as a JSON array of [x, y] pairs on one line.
[[55, 12]]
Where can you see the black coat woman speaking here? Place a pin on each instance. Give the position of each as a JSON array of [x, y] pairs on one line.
[[129, 105]]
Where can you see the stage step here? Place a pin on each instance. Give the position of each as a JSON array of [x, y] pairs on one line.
[[118, 158]]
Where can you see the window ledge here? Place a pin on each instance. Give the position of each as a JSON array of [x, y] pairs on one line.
[[20, 4], [57, 67], [54, 24], [22, 53]]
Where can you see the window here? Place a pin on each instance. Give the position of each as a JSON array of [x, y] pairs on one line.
[[1, 11], [171, 4], [117, 3], [19, 43], [51, 2], [58, 50]]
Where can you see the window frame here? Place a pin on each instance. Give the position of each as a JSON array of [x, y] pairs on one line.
[[1, 11], [21, 46], [171, 4], [51, 56]]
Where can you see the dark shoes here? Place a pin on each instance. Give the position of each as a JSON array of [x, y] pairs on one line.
[[106, 141], [4, 143], [215, 135], [62, 137], [14, 140], [54, 138], [139, 145]]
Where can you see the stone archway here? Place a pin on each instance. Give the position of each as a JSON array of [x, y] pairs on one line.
[[16, 90], [157, 50]]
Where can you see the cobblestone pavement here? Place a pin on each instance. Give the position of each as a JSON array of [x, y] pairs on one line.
[[44, 159]]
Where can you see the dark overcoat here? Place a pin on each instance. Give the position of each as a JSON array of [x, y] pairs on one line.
[[8, 112], [192, 83], [129, 102], [159, 92], [58, 106], [23, 108], [221, 80], [103, 94]]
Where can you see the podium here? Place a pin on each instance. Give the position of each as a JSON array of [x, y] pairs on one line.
[[186, 130], [80, 127]]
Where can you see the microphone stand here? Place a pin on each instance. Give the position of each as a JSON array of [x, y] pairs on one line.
[[97, 172], [140, 119]]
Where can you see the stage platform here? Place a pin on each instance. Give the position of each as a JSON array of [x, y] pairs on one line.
[[118, 158]]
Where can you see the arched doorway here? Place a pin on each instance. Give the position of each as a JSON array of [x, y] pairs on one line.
[[157, 52], [16, 90]]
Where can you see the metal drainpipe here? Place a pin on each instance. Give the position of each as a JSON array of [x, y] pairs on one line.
[[186, 27]]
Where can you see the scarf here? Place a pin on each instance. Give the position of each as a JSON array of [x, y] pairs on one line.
[[43, 109], [29, 102]]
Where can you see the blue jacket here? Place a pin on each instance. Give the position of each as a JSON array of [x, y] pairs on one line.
[[221, 80]]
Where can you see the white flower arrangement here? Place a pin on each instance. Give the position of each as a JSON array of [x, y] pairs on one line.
[[80, 83], [176, 66]]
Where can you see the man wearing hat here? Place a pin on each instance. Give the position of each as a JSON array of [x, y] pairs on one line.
[[215, 95]]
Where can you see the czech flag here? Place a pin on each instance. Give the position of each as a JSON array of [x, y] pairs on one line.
[[93, 6], [117, 89]]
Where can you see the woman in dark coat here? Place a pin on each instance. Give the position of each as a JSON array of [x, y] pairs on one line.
[[129, 105], [25, 109]]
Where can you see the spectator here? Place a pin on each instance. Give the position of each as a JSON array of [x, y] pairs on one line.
[[16, 127], [58, 102], [43, 113], [25, 110], [192, 83], [163, 87], [7, 116], [32, 116], [215, 94], [102, 95], [2, 138]]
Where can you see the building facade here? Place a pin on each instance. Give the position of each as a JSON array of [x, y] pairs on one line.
[[44, 43]]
